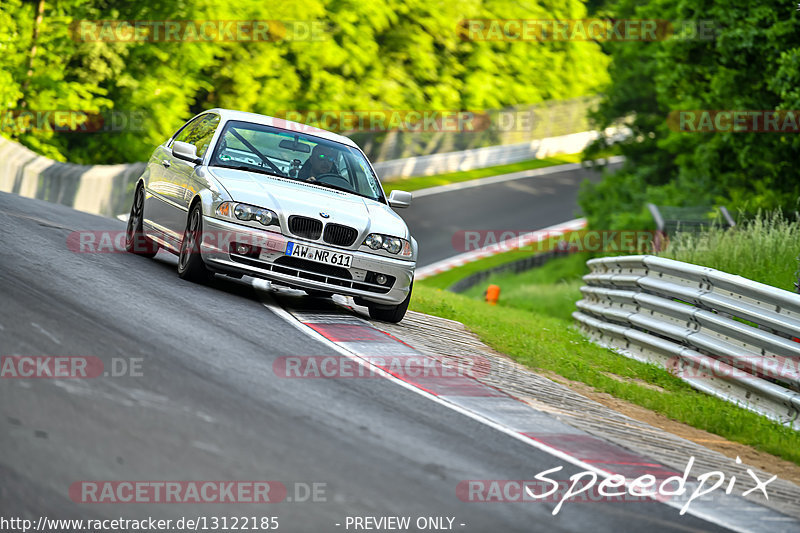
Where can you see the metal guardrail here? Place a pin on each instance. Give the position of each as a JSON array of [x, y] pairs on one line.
[[724, 334]]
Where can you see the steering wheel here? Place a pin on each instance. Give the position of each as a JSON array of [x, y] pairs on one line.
[[328, 177]]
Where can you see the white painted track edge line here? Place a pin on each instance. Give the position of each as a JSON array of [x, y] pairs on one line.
[[268, 302], [501, 178]]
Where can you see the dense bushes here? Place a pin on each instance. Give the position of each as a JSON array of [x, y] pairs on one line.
[[751, 63]]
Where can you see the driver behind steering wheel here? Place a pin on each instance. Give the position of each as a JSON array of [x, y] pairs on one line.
[[320, 162]]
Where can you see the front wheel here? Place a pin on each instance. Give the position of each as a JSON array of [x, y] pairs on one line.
[[190, 263], [392, 314], [136, 242]]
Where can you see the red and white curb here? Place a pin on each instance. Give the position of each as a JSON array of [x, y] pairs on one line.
[[513, 243], [360, 341]]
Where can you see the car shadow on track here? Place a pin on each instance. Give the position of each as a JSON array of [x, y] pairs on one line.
[[288, 298]]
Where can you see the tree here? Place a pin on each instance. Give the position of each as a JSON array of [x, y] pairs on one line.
[[750, 64], [381, 55]]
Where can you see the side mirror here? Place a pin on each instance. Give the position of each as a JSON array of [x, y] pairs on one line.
[[186, 151], [400, 199]]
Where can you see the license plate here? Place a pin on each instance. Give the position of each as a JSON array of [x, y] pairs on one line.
[[319, 255]]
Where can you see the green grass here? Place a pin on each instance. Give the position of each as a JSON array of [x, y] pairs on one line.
[[446, 279], [541, 337], [423, 182], [551, 289], [764, 249]]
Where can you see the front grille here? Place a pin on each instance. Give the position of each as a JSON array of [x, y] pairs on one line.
[[307, 228], [339, 235]]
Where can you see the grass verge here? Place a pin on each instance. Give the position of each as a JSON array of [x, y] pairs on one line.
[[446, 279], [551, 289], [541, 340]]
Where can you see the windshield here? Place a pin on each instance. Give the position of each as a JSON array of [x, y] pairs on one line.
[[292, 155]]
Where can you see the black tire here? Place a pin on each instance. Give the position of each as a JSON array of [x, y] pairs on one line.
[[391, 314], [190, 263], [318, 294], [136, 242]]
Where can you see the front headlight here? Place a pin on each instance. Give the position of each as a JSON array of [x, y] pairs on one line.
[[374, 241], [393, 245], [246, 212]]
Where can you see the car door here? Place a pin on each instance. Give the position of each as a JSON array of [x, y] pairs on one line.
[[164, 204], [184, 171]]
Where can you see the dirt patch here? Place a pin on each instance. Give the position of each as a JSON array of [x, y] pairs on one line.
[[765, 461]]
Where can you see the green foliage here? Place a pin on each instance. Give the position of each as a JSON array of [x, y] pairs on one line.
[[765, 249], [386, 54], [751, 64]]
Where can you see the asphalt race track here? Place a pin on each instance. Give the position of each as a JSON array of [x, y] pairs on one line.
[[521, 205], [206, 404]]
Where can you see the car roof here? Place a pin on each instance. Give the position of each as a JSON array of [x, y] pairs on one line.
[[230, 114]]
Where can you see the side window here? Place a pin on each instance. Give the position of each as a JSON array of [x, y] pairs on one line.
[[199, 132], [186, 129], [201, 136]]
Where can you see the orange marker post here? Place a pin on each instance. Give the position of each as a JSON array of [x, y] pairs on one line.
[[492, 294]]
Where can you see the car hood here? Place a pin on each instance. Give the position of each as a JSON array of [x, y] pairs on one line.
[[289, 197]]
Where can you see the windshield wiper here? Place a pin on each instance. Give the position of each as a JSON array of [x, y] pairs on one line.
[[337, 188]]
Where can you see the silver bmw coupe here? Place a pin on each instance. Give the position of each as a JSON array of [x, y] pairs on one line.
[[238, 194]]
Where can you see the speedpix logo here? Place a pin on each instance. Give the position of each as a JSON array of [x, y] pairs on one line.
[[585, 486]]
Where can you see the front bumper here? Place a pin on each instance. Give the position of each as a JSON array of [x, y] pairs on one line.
[[272, 264]]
